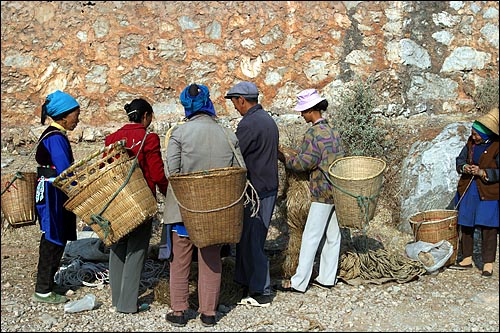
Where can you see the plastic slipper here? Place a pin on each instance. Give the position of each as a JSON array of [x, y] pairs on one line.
[[252, 302], [143, 307]]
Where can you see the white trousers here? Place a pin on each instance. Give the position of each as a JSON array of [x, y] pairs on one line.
[[321, 221]]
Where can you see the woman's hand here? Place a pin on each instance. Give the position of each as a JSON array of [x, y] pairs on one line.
[[474, 170]]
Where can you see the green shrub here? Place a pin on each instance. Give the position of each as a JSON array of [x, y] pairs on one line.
[[486, 96], [365, 134], [362, 134]]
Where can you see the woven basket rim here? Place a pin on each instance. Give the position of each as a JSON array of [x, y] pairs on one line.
[[434, 211], [384, 164], [207, 172]]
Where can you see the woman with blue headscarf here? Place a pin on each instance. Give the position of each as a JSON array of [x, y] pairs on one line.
[[58, 225], [198, 144], [478, 192]]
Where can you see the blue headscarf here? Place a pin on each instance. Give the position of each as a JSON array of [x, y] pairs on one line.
[[197, 103], [58, 103]]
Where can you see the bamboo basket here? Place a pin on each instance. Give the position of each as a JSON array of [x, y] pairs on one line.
[[211, 204], [433, 226], [357, 182], [18, 198], [109, 193]]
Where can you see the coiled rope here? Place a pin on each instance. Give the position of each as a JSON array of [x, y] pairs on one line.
[[79, 272], [369, 264]]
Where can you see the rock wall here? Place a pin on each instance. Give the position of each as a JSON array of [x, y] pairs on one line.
[[424, 56]]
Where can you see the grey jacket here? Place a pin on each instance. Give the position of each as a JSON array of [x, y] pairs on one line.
[[199, 144]]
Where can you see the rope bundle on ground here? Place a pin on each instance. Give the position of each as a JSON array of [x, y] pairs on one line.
[[91, 274], [378, 266]]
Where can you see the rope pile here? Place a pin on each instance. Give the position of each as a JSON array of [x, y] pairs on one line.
[[90, 274], [372, 263], [79, 273]]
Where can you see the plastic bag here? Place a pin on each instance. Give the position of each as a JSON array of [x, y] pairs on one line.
[[432, 256], [84, 304]]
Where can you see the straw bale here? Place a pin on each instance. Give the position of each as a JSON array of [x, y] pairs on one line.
[[298, 201]]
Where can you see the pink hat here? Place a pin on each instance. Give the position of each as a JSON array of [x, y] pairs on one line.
[[308, 98]]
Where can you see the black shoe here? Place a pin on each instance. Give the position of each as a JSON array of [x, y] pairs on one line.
[[281, 287], [321, 285], [487, 273], [207, 321], [459, 267], [178, 321]]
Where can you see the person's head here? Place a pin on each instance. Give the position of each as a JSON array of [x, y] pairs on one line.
[[485, 127], [244, 95], [195, 98], [139, 111], [62, 108], [310, 105]]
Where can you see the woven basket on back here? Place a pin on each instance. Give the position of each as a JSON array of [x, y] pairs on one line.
[[211, 204], [18, 198], [357, 181], [433, 226], [91, 185]]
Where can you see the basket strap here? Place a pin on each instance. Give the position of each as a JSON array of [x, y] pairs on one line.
[[18, 175], [231, 145], [461, 197]]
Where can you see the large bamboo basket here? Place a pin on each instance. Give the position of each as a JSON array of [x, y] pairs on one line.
[[357, 182], [18, 198], [433, 226], [211, 204], [108, 193]]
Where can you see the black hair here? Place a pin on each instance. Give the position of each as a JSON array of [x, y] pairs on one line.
[[136, 109], [63, 115], [251, 99], [321, 106], [194, 90]]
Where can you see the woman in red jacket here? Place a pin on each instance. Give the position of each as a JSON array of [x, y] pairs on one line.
[[127, 256]]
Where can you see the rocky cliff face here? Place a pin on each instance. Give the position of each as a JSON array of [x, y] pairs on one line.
[[425, 57]]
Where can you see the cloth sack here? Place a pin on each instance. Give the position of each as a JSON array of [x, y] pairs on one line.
[[86, 249], [432, 256]]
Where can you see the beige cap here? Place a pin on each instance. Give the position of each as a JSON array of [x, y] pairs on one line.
[[490, 120]]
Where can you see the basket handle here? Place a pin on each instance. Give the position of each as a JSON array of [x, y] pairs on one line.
[[71, 168]]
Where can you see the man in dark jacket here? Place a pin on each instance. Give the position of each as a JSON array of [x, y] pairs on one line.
[[258, 136]]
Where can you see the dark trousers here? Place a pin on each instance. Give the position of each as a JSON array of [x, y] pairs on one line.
[[252, 265], [488, 243], [49, 260]]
